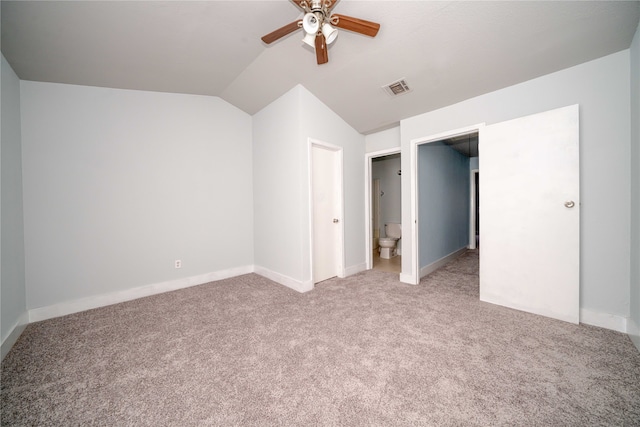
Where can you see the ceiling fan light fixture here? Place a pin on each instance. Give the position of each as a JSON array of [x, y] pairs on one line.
[[321, 27], [310, 23], [310, 39], [329, 32]]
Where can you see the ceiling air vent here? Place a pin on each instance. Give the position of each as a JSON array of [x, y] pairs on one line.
[[397, 88]]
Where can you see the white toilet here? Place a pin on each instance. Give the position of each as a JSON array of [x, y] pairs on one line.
[[388, 244]]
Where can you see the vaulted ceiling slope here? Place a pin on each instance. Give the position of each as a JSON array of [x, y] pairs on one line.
[[447, 51]]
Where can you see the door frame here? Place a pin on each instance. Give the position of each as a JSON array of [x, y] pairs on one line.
[[338, 200], [413, 278], [368, 209], [472, 209]]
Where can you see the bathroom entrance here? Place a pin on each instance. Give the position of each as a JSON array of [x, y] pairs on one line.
[[385, 211]]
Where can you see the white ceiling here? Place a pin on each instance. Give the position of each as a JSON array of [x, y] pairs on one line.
[[448, 51]]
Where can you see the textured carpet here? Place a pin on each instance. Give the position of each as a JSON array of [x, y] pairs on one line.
[[366, 350]]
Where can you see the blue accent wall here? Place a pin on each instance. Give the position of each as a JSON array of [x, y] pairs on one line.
[[443, 198]]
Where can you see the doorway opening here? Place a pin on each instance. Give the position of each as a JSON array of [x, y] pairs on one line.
[[384, 210], [443, 200], [467, 146]]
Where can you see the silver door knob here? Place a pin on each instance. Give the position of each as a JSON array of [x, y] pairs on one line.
[[335, 220], [569, 204]]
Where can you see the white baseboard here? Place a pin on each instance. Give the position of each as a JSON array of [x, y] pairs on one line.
[[88, 303], [13, 336], [287, 281], [355, 269], [408, 279], [441, 262], [411, 280], [633, 329], [603, 320]]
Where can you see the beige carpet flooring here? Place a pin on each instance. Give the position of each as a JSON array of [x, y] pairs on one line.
[[365, 350]]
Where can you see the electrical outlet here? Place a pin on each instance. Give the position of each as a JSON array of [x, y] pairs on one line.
[[178, 263]]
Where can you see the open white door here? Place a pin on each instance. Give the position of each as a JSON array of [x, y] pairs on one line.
[[530, 214]]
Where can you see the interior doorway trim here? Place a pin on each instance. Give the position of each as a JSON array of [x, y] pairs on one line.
[[368, 214], [339, 200], [472, 209], [413, 278]]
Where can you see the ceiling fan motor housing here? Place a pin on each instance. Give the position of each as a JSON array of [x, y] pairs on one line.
[[316, 5]]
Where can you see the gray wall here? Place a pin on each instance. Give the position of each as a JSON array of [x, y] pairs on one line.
[[120, 183], [319, 122], [277, 182], [386, 170], [443, 201], [13, 288], [383, 140], [281, 183], [635, 189], [602, 89]]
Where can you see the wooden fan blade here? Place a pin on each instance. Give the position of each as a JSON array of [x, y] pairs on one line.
[[280, 32], [361, 26], [322, 55]]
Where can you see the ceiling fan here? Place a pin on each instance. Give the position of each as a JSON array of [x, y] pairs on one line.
[[318, 24]]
